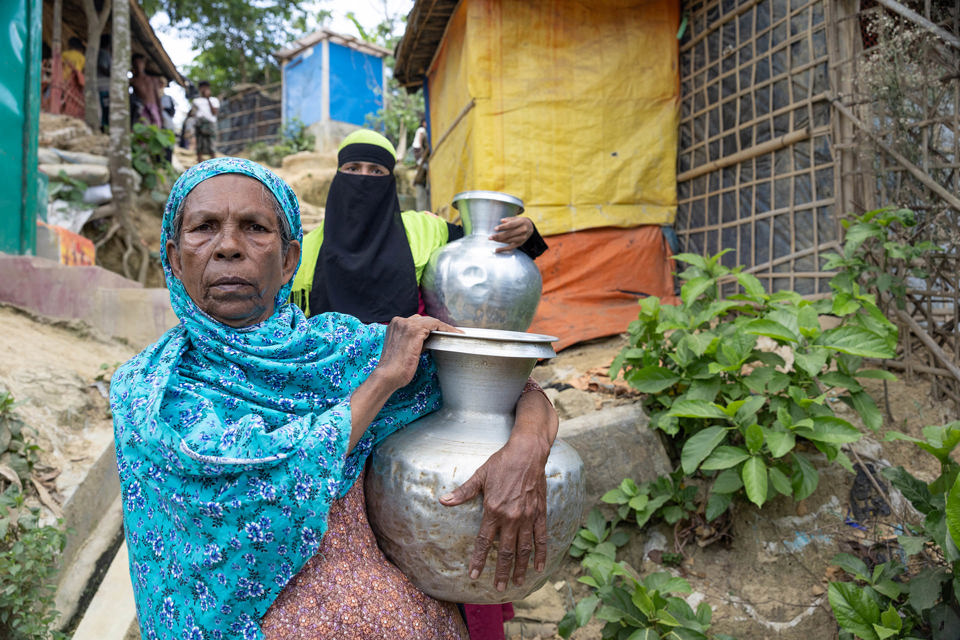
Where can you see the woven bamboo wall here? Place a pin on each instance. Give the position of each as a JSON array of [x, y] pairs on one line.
[[251, 114], [756, 166]]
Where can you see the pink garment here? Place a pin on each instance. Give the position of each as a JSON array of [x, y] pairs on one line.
[[485, 621], [150, 113], [350, 591]]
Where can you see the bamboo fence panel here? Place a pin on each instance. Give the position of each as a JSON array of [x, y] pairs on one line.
[[755, 165]]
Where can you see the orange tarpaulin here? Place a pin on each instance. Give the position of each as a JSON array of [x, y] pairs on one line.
[[593, 279]]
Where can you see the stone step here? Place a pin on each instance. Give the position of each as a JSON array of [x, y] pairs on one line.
[[615, 443], [112, 614]]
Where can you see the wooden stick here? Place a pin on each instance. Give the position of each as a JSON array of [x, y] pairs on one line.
[[922, 368], [916, 172], [930, 343], [460, 116]]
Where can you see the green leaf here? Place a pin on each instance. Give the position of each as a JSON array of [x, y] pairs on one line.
[[867, 408], [780, 481], [567, 625], [652, 379], [953, 511], [856, 341], [911, 545], [724, 457], [751, 285], [596, 525], [644, 634], [780, 443], [639, 502], [829, 429], [876, 374], [837, 379], [699, 446], [912, 489], [754, 474], [696, 409], [805, 477], [693, 289], [771, 329], [891, 619], [852, 565], [728, 481], [614, 496], [854, 609], [811, 363], [753, 436], [717, 503], [924, 588], [748, 410], [584, 610]]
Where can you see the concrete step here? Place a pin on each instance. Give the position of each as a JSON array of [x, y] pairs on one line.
[[111, 304], [112, 614]]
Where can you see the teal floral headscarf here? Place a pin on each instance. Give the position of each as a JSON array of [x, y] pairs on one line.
[[231, 444]]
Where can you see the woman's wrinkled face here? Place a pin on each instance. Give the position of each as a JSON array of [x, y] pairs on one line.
[[364, 168], [231, 259]]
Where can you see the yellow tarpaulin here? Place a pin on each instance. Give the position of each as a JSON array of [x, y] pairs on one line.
[[571, 106]]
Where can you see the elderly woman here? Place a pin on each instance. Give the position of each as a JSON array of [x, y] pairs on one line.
[[239, 428]]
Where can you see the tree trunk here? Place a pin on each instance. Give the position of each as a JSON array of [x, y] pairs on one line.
[[56, 75], [121, 162], [91, 90]]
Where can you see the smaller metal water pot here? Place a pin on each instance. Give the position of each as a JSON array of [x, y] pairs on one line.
[[482, 373], [467, 284]]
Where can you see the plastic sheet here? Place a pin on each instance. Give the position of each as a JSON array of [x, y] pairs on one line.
[[570, 106], [594, 279]]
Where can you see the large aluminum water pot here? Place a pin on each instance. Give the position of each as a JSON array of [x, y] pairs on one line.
[[482, 374], [467, 284]]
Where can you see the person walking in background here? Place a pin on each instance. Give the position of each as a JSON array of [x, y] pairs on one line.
[[145, 92], [104, 60], [205, 128]]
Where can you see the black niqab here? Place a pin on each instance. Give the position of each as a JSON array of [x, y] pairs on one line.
[[365, 267]]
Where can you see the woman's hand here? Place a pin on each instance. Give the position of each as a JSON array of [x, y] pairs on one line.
[[513, 232], [399, 359], [514, 491]]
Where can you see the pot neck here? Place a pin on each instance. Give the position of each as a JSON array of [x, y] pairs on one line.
[[481, 221]]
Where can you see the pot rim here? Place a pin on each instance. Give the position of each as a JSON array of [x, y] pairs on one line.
[[498, 342], [498, 196]]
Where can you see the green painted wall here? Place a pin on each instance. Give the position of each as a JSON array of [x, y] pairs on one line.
[[20, 39]]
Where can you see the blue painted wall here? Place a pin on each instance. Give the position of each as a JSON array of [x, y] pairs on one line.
[[302, 79], [356, 85]]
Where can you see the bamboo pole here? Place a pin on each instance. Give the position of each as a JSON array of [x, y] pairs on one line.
[[747, 154], [460, 116], [918, 19]]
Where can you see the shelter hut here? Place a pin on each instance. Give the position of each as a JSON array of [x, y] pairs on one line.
[[331, 83], [751, 125], [66, 97], [573, 108]]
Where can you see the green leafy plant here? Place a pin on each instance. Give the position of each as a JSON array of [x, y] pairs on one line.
[[599, 536], [733, 409], [68, 189], [887, 600], [877, 256], [149, 145], [28, 552], [667, 497], [634, 607]]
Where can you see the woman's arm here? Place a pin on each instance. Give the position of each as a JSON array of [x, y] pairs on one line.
[[514, 490], [399, 360]]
